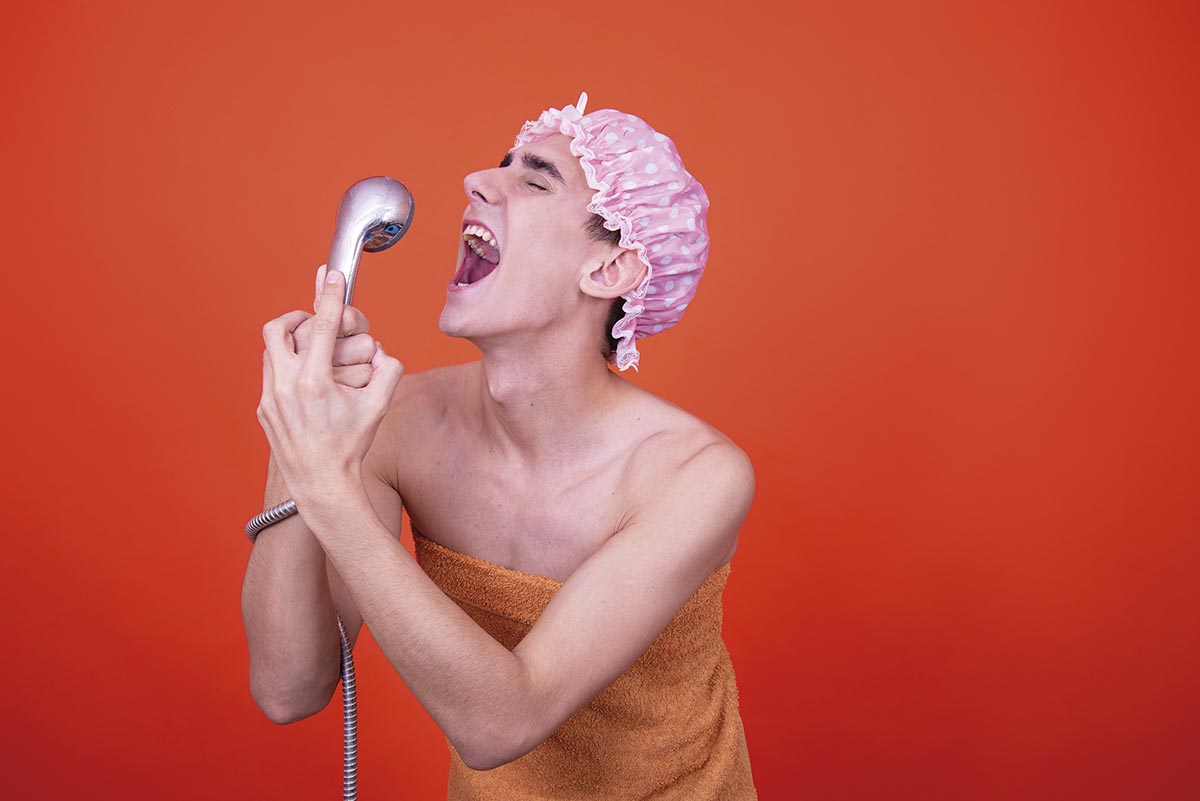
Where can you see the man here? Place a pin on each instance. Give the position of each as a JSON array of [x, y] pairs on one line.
[[573, 532]]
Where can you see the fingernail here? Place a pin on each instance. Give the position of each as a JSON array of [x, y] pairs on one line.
[[333, 276]]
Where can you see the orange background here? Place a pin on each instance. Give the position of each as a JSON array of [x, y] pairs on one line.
[[950, 313]]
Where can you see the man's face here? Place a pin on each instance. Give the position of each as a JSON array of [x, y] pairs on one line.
[[534, 208]]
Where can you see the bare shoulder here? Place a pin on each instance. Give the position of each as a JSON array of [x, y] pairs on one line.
[[418, 408], [683, 459], [675, 437], [424, 397]]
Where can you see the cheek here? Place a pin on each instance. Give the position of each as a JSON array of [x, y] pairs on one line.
[[553, 240], [553, 244]]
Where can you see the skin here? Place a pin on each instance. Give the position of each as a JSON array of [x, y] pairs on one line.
[[537, 457]]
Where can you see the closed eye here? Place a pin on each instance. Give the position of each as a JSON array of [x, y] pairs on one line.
[[538, 164]]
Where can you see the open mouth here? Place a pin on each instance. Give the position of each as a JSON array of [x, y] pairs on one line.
[[481, 255]]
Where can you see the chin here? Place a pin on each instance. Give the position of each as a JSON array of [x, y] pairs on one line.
[[452, 325], [448, 326]]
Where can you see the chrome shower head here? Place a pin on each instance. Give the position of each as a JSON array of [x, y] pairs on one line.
[[372, 216]]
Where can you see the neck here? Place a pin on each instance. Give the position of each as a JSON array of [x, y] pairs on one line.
[[542, 407]]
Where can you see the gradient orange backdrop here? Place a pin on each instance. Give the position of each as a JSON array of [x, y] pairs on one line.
[[950, 313]]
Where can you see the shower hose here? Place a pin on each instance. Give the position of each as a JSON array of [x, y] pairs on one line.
[[349, 698]]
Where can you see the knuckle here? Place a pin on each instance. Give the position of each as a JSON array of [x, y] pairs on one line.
[[364, 347], [308, 383], [347, 377]]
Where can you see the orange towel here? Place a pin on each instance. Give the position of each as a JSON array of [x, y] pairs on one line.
[[667, 729]]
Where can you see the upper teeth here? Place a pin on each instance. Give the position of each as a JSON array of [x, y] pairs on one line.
[[479, 232]]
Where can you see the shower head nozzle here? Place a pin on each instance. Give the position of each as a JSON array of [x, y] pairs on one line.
[[372, 215]]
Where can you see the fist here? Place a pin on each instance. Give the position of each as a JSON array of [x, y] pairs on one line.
[[354, 347], [319, 430]]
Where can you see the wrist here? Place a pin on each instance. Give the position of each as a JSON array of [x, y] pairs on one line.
[[332, 496]]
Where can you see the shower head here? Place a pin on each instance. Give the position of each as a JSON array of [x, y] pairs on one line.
[[372, 216]]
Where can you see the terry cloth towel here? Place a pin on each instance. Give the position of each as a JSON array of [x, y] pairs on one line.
[[667, 729]]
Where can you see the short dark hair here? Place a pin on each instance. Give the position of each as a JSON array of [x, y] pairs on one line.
[[597, 231]]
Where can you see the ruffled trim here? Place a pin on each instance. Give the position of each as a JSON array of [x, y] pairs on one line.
[[567, 122]]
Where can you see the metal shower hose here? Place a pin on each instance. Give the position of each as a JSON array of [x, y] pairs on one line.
[[349, 697]]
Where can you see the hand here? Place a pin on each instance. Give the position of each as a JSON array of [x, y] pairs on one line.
[[319, 430], [354, 348]]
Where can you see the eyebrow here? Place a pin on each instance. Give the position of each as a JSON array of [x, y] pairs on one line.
[[535, 162]]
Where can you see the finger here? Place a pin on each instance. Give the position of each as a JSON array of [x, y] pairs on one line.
[[385, 376], [353, 322], [355, 375], [317, 288], [319, 359], [266, 403], [300, 336], [358, 349], [278, 334]]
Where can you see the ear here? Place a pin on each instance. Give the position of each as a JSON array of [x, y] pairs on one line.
[[620, 273]]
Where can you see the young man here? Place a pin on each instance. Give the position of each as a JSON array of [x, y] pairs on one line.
[[573, 532]]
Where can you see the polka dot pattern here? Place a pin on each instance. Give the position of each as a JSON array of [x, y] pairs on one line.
[[642, 189]]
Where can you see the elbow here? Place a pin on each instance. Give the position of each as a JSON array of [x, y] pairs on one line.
[[499, 733], [475, 763], [284, 710], [278, 712], [485, 752], [488, 757], [286, 699], [498, 744], [283, 715]]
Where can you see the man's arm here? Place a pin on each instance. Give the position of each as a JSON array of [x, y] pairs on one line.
[[495, 705], [289, 596]]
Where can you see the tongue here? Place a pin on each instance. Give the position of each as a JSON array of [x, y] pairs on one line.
[[482, 269], [476, 268]]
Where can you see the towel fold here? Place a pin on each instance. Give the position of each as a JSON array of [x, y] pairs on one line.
[[667, 729]]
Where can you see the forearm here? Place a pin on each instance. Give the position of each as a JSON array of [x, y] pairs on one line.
[[474, 688], [289, 617]]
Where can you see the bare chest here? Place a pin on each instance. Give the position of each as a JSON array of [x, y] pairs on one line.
[[546, 523]]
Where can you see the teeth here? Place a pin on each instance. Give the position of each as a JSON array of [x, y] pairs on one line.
[[476, 232], [476, 248], [482, 233]]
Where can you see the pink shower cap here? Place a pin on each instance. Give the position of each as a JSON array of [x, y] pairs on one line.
[[642, 190]]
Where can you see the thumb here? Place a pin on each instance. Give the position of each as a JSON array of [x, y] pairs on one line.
[[325, 325], [320, 282]]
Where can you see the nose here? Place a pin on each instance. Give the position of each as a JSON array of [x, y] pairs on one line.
[[482, 186]]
